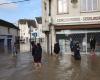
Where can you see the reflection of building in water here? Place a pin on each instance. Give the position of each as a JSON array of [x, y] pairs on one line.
[[81, 19]]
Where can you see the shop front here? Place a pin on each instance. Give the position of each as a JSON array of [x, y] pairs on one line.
[[79, 29]]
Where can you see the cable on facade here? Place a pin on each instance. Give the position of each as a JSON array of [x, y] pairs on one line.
[[14, 2]]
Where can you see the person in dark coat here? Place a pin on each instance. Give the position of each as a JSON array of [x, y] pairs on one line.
[[72, 46], [92, 44], [56, 48], [77, 55], [33, 49], [38, 55]]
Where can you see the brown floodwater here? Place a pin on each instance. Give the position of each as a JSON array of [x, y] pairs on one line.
[[63, 67]]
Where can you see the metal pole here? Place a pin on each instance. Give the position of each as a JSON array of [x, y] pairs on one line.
[[51, 42], [30, 38], [35, 39], [51, 38], [86, 42]]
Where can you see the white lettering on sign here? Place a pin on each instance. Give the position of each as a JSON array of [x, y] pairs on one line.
[[68, 20], [78, 19], [91, 18]]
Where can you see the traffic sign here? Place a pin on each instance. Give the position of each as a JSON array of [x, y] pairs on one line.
[[34, 34]]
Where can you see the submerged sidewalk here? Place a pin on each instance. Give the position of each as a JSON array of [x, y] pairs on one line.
[[63, 67]]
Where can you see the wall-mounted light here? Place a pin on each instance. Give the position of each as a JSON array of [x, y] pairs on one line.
[[74, 1]]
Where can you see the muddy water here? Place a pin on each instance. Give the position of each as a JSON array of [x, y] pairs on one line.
[[63, 67]]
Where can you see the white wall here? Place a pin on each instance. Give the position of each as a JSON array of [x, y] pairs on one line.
[[73, 11], [45, 16], [24, 31], [41, 34], [13, 32], [3, 30]]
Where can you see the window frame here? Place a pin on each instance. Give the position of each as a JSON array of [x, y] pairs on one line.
[[86, 11], [67, 1]]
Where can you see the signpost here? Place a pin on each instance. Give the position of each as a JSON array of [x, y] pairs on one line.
[[34, 35]]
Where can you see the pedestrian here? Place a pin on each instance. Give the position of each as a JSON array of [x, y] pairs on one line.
[[92, 44], [38, 56], [56, 48], [33, 49], [15, 49], [72, 46], [77, 55]]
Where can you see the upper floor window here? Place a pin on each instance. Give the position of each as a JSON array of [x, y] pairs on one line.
[[62, 6], [89, 5]]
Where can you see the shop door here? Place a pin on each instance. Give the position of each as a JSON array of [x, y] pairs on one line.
[[64, 46]]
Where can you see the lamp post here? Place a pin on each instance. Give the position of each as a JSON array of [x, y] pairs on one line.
[[86, 42]]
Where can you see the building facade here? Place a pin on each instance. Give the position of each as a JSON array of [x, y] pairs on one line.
[[9, 34], [26, 28], [64, 19], [40, 34], [24, 32]]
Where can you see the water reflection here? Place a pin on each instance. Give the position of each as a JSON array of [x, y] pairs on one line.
[[63, 67]]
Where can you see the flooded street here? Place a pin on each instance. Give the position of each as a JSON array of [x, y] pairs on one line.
[[63, 67]]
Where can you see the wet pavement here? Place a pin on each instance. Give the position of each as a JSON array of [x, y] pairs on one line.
[[64, 67]]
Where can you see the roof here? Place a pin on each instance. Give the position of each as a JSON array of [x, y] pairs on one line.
[[39, 20], [28, 21], [7, 24]]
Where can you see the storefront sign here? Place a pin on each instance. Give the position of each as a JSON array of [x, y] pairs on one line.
[[78, 19], [91, 18]]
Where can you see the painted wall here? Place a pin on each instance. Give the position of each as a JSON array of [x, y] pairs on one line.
[[45, 17], [24, 31], [4, 32], [73, 11]]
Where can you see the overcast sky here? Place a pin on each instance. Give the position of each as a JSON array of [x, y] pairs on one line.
[[14, 12]]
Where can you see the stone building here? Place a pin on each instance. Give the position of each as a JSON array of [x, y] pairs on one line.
[[26, 28], [65, 19], [40, 34], [9, 33]]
